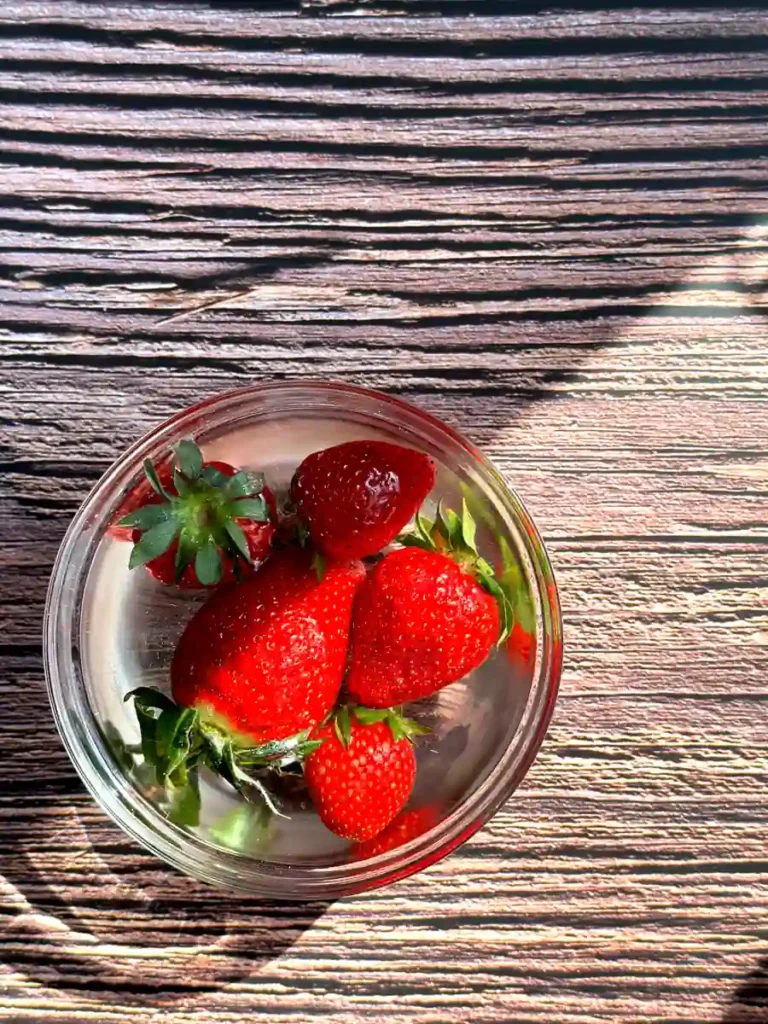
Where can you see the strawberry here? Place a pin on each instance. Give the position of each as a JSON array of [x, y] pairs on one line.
[[266, 657], [257, 667], [355, 498], [142, 493], [521, 646], [258, 538], [427, 615], [409, 824], [362, 774], [197, 523]]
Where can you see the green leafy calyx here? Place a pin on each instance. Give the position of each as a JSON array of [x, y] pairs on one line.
[[198, 510], [456, 536], [176, 741], [402, 728]]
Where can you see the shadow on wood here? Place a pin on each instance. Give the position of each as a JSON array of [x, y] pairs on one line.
[[750, 1000], [88, 912], [82, 908]]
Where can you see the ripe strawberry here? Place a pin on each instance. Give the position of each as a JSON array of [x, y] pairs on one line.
[[266, 657], [521, 646], [409, 824], [427, 615], [258, 538], [142, 493], [190, 513], [362, 774], [356, 497], [261, 662]]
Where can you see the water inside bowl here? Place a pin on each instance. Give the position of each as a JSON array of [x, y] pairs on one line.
[[130, 624]]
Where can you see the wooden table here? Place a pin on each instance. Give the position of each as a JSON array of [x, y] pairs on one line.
[[548, 229]]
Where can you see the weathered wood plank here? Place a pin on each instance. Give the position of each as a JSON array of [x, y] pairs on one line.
[[546, 227]]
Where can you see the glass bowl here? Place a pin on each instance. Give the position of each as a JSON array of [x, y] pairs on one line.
[[108, 630]]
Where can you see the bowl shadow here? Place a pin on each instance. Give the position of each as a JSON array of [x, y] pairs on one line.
[[749, 1003], [86, 911], [83, 909]]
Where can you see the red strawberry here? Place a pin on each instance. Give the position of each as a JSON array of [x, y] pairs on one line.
[[190, 513], [409, 824], [142, 493], [362, 774], [356, 497], [266, 657], [261, 662], [521, 646], [425, 618], [258, 537]]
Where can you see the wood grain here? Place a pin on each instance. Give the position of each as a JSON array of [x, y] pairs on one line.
[[547, 227]]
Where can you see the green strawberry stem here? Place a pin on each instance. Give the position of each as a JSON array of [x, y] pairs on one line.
[[181, 804], [402, 727], [303, 539], [200, 516], [511, 575], [244, 829], [184, 804], [456, 536], [318, 564], [176, 741], [515, 587]]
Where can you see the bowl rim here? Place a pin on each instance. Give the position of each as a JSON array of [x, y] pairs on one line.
[[96, 764]]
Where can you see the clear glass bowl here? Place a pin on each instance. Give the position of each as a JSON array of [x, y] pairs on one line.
[[108, 630]]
